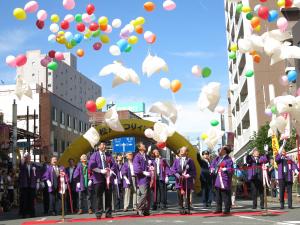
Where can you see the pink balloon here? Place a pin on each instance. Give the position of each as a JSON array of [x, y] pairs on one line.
[[268, 112], [69, 18], [298, 92], [59, 56], [282, 24], [45, 61], [69, 4], [21, 60], [42, 15], [220, 109], [284, 80], [169, 5], [11, 61], [108, 29], [86, 18], [31, 7]]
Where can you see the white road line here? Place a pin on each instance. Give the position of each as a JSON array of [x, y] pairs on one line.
[[247, 217], [295, 222], [42, 219], [178, 221]]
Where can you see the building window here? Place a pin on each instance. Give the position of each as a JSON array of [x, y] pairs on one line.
[[33, 74], [62, 118], [80, 126], [49, 73], [68, 144], [55, 145], [74, 123], [68, 120], [63, 146], [54, 114], [49, 85], [85, 127]]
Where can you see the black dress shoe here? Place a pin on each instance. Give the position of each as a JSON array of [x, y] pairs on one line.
[[146, 213], [217, 212], [188, 212], [227, 213], [182, 211], [98, 215], [262, 207], [108, 215], [254, 207], [291, 207]]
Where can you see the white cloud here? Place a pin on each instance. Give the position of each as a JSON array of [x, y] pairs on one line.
[[195, 54], [16, 40]]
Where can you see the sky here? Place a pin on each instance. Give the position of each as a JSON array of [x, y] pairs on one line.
[[194, 33]]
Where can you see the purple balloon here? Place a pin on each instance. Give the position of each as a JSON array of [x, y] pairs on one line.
[[45, 61]]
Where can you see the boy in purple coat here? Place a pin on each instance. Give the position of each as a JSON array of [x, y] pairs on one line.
[[103, 167], [286, 169], [29, 179], [129, 183], [222, 168], [255, 176], [83, 184], [162, 171], [142, 166], [185, 172]]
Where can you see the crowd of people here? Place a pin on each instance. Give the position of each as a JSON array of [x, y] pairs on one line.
[[141, 179]]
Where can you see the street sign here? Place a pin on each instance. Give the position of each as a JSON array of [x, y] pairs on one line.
[[123, 145]]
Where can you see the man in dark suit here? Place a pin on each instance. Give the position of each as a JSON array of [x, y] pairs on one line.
[[205, 178], [72, 183]]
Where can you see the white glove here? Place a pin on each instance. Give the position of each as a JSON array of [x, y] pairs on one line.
[[97, 170], [149, 162], [78, 185], [49, 183], [126, 180], [103, 171], [90, 183], [37, 186], [147, 174], [115, 181], [167, 180], [296, 172], [186, 176], [42, 185], [224, 169]]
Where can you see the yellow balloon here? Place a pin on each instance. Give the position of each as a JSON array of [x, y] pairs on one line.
[[234, 47], [133, 40], [246, 9], [100, 102], [134, 23], [55, 18], [280, 3], [88, 34], [61, 40], [69, 45], [204, 136], [140, 20], [105, 39], [103, 20], [61, 33], [257, 29], [20, 14]]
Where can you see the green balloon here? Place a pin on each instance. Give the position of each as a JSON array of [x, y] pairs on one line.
[[128, 49], [239, 7], [274, 109], [206, 72], [52, 66], [73, 43], [214, 123], [78, 18], [232, 55], [249, 16], [96, 33], [249, 73]]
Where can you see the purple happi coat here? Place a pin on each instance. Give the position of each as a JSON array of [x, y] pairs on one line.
[[95, 162], [255, 167], [126, 172], [78, 176], [223, 178], [27, 180], [188, 168], [49, 175], [141, 163], [290, 167], [164, 168]]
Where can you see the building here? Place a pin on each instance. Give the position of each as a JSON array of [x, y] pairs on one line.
[[247, 103], [57, 103]]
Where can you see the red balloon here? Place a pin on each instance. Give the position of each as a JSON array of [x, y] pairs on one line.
[[263, 0], [40, 24], [97, 46], [94, 26], [90, 9], [91, 106], [80, 27], [21, 60], [161, 145], [263, 12], [65, 25], [51, 54], [288, 3]]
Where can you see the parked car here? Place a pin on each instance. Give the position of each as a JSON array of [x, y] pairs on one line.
[[171, 183]]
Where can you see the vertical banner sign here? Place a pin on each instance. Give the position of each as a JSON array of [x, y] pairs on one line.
[[275, 147]]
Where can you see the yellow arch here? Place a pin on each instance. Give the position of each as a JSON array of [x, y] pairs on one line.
[[133, 127]]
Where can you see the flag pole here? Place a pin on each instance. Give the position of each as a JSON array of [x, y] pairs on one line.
[[62, 208]]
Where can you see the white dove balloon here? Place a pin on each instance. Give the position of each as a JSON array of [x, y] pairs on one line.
[[210, 96], [154, 64], [213, 137], [22, 88], [166, 109], [111, 118]]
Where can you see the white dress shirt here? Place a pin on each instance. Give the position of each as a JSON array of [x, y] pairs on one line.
[[131, 168], [157, 160], [182, 162]]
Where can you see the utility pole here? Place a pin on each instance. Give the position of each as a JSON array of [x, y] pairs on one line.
[[27, 130], [223, 129], [14, 134], [34, 132]]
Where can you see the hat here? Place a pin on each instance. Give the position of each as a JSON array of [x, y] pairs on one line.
[[205, 152]]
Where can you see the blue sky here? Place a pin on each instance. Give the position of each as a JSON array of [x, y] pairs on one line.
[[194, 33]]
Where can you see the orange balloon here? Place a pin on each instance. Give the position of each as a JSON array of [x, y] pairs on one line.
[[152, 40], [139, 29], [256, 58], [149, 6], [255, 21], [176, 85], [80, 52], [103, 27]]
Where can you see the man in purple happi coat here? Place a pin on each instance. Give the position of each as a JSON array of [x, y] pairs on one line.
[[72, 184], [222, 168], [287, 168], [185, 172], [29, 179], [142, 166], [103, 168], [255, 176]]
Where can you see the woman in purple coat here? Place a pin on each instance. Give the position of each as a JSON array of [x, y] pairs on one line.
[[286, 169], [222, 168], [184, 170]]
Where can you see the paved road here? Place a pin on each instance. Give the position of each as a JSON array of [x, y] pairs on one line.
[[240, 215]]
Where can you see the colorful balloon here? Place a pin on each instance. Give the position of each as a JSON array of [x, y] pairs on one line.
[[284, 81], [149, 37], [52, 66], [239, 7], [11, 61], [45, 61], [139, 29], [42, 15], [232, 55], [169, 5], [206, 72], [105, 39], [114, 50], [31, 7], [80, 52], [204, 136], [59, 56], [249, 73], [69, 18], [140, 20], [116, 23], [103, 20], [149, 6], [249, 16], [78, 38], [282, 24], [268, 112], [273, 16], [292, 75], [255, 21], [165, 83], [274, 110], [90, 9], [21, 60], [19, 14], [97, 46], [94, 26], [100, 102], [149, 133], [214, 123], [176, 86], [78, 18], [197, 71], [65, 25], [133, 40], [86, 18], [220, 109], [54, 28], [263, 12], [69, 4], [288, 3], [91, 106], [51, 54], [122, 44], [40, 24], [80, 27], [54, 18], [256, 58], [161, 145]]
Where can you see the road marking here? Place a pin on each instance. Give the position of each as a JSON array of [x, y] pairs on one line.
[[42, 219], [296, 222], [247, 217], [178, 221]]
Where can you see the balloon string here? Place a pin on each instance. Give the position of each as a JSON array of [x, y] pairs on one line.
[[174, 98]]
